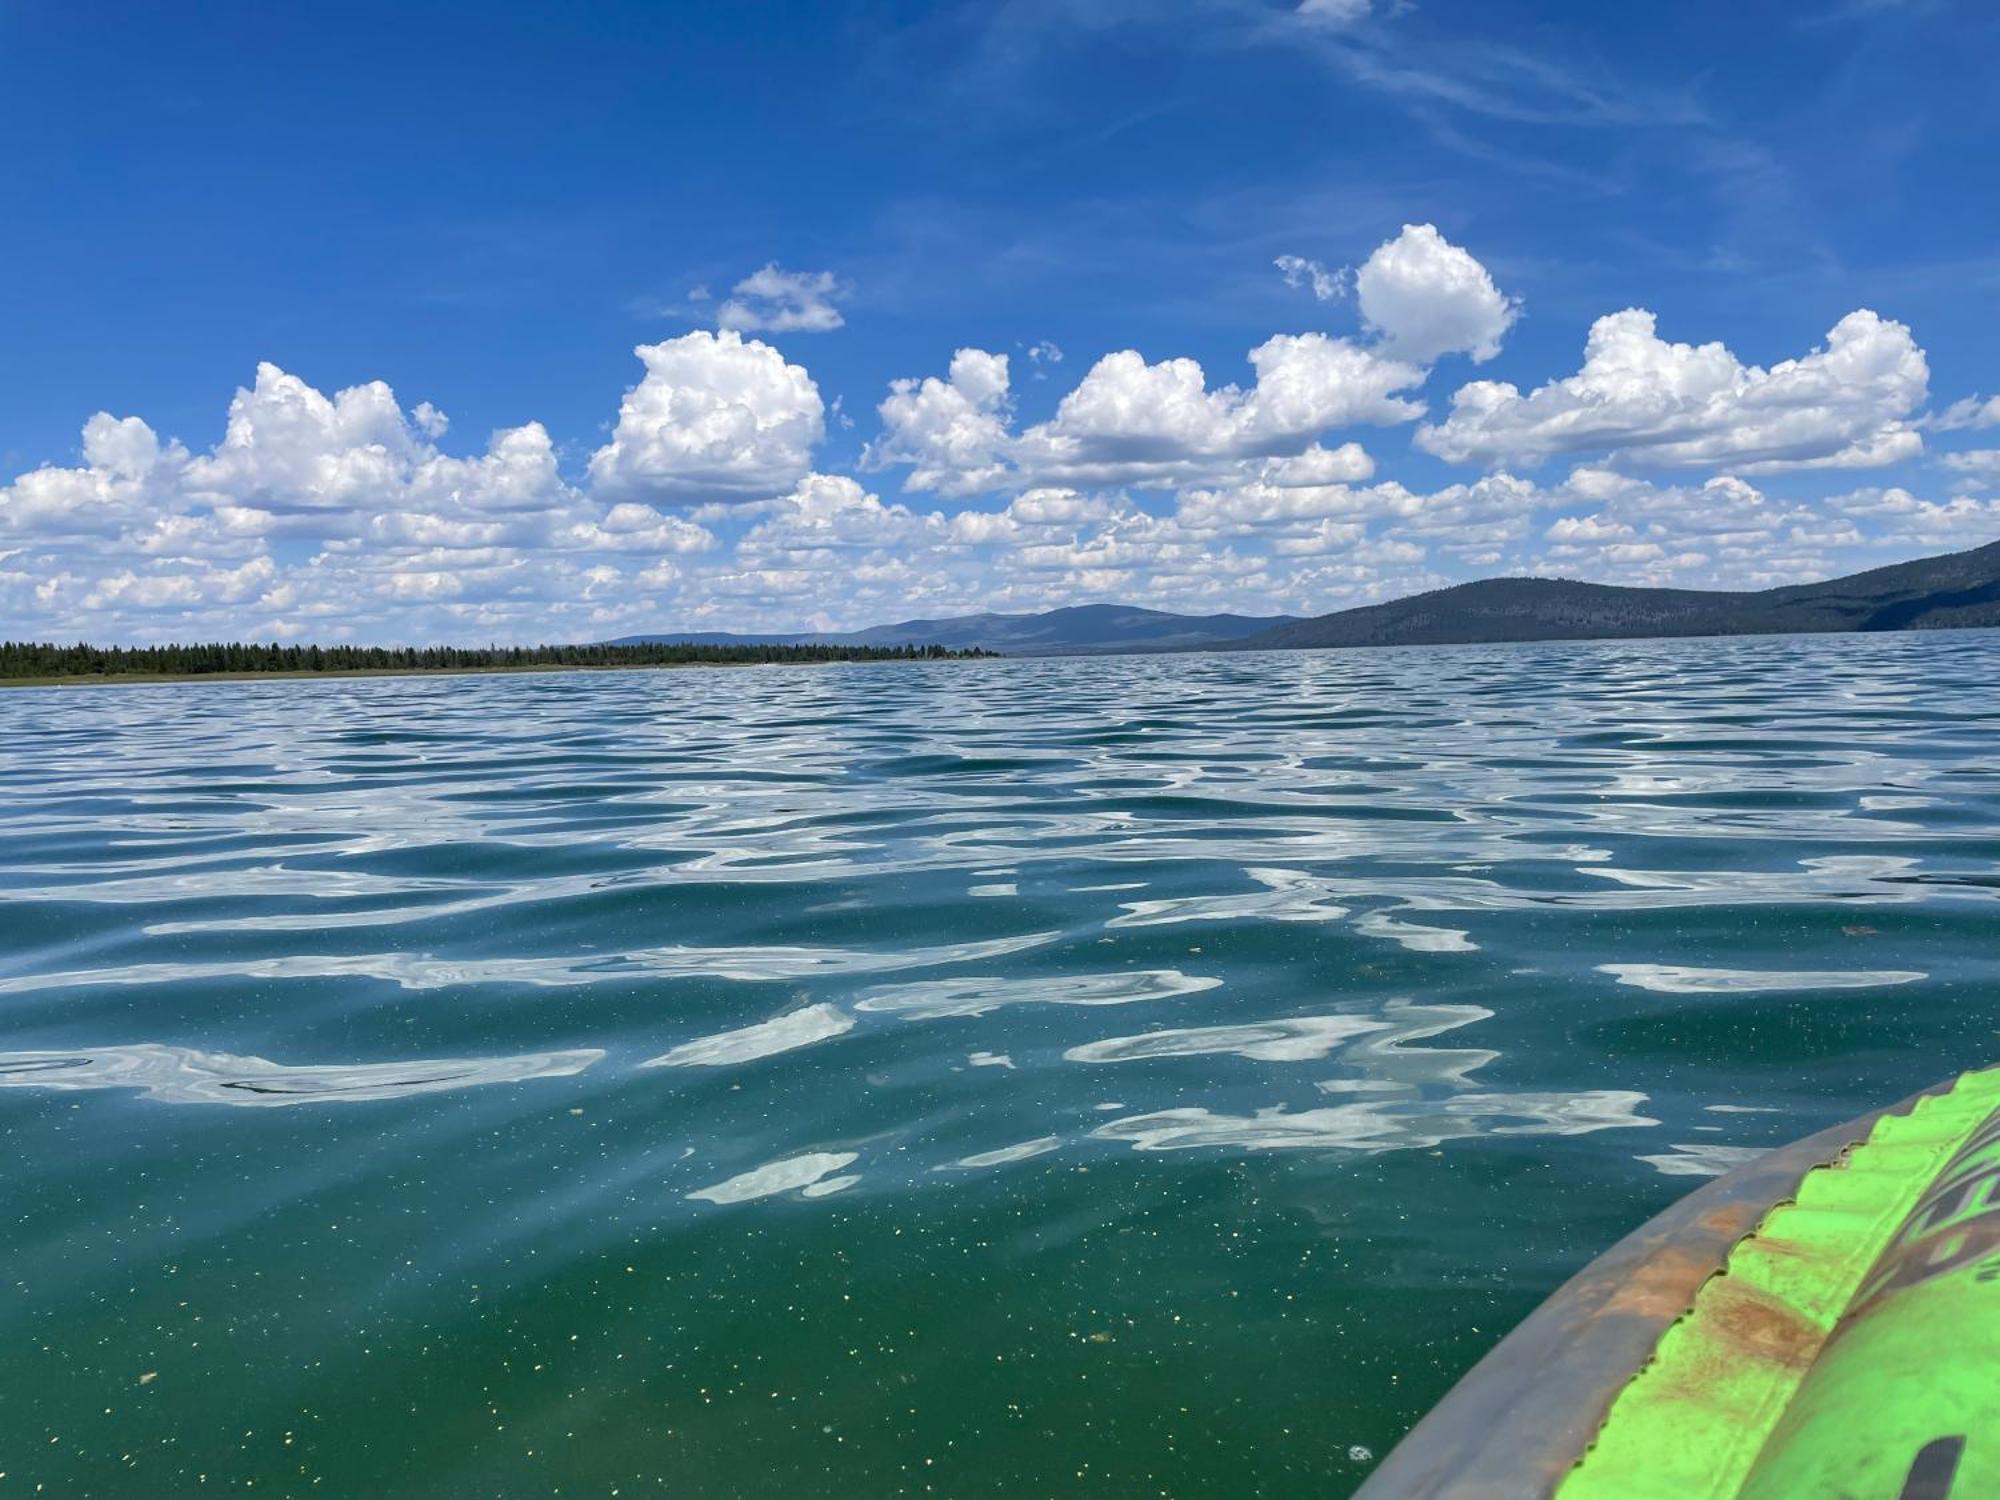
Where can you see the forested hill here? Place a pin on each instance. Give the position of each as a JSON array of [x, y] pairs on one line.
[[27, 659], [1933, 593]]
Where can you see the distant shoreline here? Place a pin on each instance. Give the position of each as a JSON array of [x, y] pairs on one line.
[[155, 679], [47, 664]]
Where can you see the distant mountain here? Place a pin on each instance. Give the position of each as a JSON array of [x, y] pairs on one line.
[[1933, 593], [1078, 629]]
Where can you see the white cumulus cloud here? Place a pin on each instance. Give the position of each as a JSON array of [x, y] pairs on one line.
[[1640, 400], [715, 418], [1968, 411], [1425, 297], [1304, 274], [1982, 463], [289, 449], [1132, 421], [952, 432], [1129, 421], [340, 515], [774, 300], [1334, 13], [128, 477]]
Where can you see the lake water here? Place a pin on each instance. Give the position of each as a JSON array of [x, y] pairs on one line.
[[1141, 1076]]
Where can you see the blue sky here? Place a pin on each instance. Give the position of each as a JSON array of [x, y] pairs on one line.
[[467, 219]]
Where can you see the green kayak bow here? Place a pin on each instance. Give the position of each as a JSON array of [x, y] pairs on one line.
[[1824, 1321]]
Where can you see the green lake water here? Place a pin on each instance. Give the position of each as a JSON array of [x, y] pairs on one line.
[[1140, 1076]]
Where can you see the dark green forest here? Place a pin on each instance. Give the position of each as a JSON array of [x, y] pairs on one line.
[[36, 659]]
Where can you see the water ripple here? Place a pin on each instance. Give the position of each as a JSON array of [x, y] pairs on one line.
[[182, 1075], [1061, 1044]]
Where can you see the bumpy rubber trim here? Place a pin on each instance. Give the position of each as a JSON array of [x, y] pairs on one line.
[[1767, 1357]]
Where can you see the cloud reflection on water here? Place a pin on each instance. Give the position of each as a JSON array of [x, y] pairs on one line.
[[1683, 979], [929, 999], [1295, 1039], [806, 1173], [1387, 1126], [786, 1033], [413, 971], [183, 1075]]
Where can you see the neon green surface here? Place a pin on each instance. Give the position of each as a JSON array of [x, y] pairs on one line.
[[1856, 1326]]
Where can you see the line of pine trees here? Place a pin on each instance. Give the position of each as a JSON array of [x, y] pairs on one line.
[[39, 659]]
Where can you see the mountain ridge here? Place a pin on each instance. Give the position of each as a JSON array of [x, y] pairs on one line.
[[1074, 629], [1949, 590]]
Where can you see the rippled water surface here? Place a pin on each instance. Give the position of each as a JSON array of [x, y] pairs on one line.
[[1155, 1075]]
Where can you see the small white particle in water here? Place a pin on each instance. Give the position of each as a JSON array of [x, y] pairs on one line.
[[989, 1059], [1358, 1454], [1108, 1104]]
